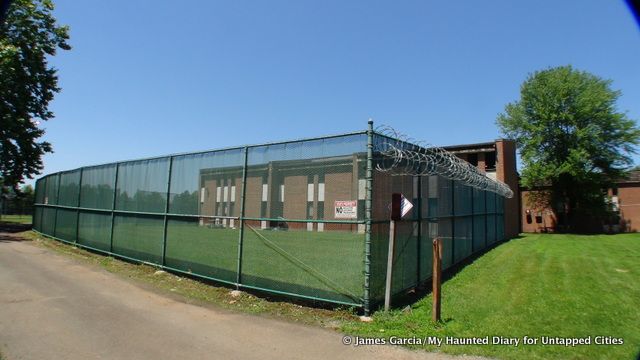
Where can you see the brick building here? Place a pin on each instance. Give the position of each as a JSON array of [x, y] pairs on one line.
[[290, 189], [624, 198], [498, 160], [304, 190], [300, 189]]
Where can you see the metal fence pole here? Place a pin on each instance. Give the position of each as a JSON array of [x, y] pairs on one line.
[[241, 233], [113, 207], [166, 211], [495, 217], [419, 234], [453, 222], [55, 218], [78, 202], [486, 219], [473, 216], [34, 208], [368, 216]]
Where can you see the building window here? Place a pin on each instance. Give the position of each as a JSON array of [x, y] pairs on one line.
[[473, 159], [310, 192], [614, 191], [490, 161], [310, 210], [362, 187]]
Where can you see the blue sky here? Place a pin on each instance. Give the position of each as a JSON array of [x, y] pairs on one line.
[[147, 78]]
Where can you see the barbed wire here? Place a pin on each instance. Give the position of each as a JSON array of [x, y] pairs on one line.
[[403, 155]]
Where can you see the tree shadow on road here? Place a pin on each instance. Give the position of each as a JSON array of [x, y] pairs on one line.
[[9, 231]]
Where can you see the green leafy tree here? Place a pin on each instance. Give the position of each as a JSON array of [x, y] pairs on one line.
[[572, 140], [27, 197], [28, 36], [17, 201]]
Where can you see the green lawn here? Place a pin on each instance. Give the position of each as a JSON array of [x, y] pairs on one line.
[[18, 219], [537, 285]]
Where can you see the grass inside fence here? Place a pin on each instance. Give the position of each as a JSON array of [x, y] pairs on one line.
[[535, 286], [325, 265], [17, 219]]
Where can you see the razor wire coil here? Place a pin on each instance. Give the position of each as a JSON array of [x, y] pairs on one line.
[[403, 155]]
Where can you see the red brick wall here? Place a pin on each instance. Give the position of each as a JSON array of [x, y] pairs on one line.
[[548, 219], [338, 186], [506, 172], [482, 165], [629, 201], [209, 205], [253, 196], [295, 197]]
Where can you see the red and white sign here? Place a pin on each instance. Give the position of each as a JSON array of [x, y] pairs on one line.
[[346, 209]]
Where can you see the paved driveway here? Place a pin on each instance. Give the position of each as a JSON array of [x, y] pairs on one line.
[[53, 307]]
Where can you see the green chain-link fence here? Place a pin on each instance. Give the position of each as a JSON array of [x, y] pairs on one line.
[[305, 218]]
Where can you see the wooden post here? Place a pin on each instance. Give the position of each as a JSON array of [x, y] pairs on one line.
[[396, 215], [437, 278], [392, 239]]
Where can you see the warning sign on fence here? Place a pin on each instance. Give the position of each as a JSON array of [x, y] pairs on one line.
[[346, 209], [405, 206]]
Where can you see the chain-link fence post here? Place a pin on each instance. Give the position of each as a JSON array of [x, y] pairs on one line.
[[166, 212], [33, 209], [495, 217], [242, 205], [368, 215], [55, 218], [78, 203], [486, 220], [473, 220], [453, 222], [419, 232], [113, 207]]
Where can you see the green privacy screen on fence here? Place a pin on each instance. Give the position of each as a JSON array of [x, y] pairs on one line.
[[305, 218]]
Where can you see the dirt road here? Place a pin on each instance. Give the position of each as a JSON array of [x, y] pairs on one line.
[[53, 307]]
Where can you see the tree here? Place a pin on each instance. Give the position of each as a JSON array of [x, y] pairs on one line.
[[571, 138], [17, 202], [26, 198], [28, 83]]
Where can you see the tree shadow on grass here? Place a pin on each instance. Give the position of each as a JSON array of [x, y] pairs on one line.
[[412, 296]]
